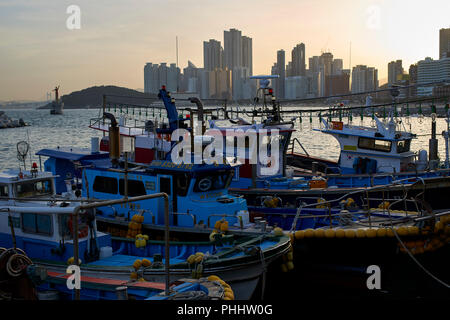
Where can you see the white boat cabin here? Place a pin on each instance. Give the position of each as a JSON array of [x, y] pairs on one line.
[[366, 150]]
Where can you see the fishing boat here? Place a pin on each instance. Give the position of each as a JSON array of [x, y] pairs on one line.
[[42, 224]]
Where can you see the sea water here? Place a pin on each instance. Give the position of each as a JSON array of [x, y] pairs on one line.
[[72, 129]]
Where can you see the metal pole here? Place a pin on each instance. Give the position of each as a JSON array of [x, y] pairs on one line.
[[93, 205]]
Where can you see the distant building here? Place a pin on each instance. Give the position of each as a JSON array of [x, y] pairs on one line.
[[238, 58], [296, 87], [364, 79], [336, 84], [413, 79], [232, 50], [220, 84], [326, 60], [298, 67], [314, 64], [444, 43], [247, 54], [156, 76], [281, 71], [336, 66], [212, 55], [395, 69], [430, 70], [190, 82]]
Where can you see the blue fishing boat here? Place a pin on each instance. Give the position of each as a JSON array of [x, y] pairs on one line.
[[42, 224]]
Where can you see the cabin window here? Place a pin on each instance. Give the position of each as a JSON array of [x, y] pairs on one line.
[[105, 185], [65, 225], [182, 184], [403, 146], [213, 181], [37, 223], [4, 191], [34, 188], [135, 188], [374, 144]]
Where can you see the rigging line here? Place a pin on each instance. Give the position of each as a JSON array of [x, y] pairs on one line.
[[327, 109]]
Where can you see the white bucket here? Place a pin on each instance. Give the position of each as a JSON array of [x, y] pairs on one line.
[[105, 252], [245, 217], [95, 145]]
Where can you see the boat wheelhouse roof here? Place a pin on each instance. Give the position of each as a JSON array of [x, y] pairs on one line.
[[169, 165], [12, 176], [73, 154], [365, 132], [124, 131]]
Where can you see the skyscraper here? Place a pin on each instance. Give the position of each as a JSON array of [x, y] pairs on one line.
[[281, 71], [247, 54], [232, 51], [212, 55], [444, 43], [364, 79], [298, 60], [394, 70]]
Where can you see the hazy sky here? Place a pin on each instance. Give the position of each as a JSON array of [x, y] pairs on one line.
[[116, 38]]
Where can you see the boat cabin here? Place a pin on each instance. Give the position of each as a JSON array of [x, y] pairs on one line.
[[366, 150], [197, 192], [46, 232], [248, 174], [16, 185]]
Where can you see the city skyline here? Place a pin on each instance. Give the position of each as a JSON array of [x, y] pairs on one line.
[[115, 41]]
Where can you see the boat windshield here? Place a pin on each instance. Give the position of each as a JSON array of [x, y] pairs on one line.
[[30, 189], [213, 181], [403, 146]]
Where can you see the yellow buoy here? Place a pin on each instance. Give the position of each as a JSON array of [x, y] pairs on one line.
[[319, 233], [413, 230], [360, 233], [330, 233], [438, 226], [284, 268], [146, 263], [309, 233], [371, 233], [278, 231], [290, 265], [299, 234], [137, 264], [224, 226], [141, 279], [390, 232], [381, 232], [191, 259], [218, 224], [133, 276], [350, 233], [198, 259], [402, 231], [340, 233], [290, 256], [229, 295], [213, 278]]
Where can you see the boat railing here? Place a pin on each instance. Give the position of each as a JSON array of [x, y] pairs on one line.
[[292, 146], [366, 190], [193, 216]]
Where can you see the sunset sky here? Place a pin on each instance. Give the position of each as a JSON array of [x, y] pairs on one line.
[[116, 39]]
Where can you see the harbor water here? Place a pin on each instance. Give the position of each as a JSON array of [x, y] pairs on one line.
[[71, 129]]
